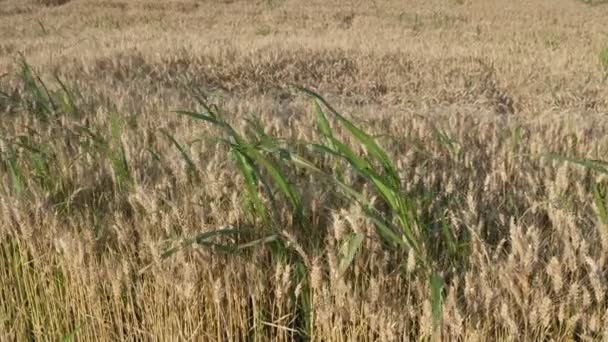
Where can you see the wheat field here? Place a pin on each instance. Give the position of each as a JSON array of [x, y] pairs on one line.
[[280, 170]]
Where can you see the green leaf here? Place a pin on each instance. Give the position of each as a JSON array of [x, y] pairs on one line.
[[42, 105], [603, 56], [212, 118], [368, 142], [70, 102], [201, 116], [70, 336], [448, 237], [279, 179], [191, 167], [364, 168], [202, 239], [390, 193], [251, 183], [593, 164], [354, 195], [324, 126], [256, 129], [600, 197], [436, 284], [262, 241], [348, 250], [17, 178], [48, 96]]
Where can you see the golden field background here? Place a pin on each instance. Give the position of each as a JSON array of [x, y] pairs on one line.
[[469, 98]]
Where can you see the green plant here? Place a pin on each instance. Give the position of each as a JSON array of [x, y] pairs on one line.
[[258, 158], [273, 3], [115, 152], [264, 162], [603, 56], [47, 105], [595, 2], [31, 156], [599, 190], [191, 168], [52, 3], [263, 30], [17, 177], [399, 226]]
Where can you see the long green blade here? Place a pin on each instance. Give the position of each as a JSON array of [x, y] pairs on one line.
[[597, 165], [599, 197], [279, 179], [201, 239], [251, 183], [436, 301], [349, 249], [324, 126], [368, 142], [201, 116], [262, 241], [185, 155]]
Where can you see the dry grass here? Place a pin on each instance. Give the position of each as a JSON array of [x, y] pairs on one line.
[[469, 97]]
